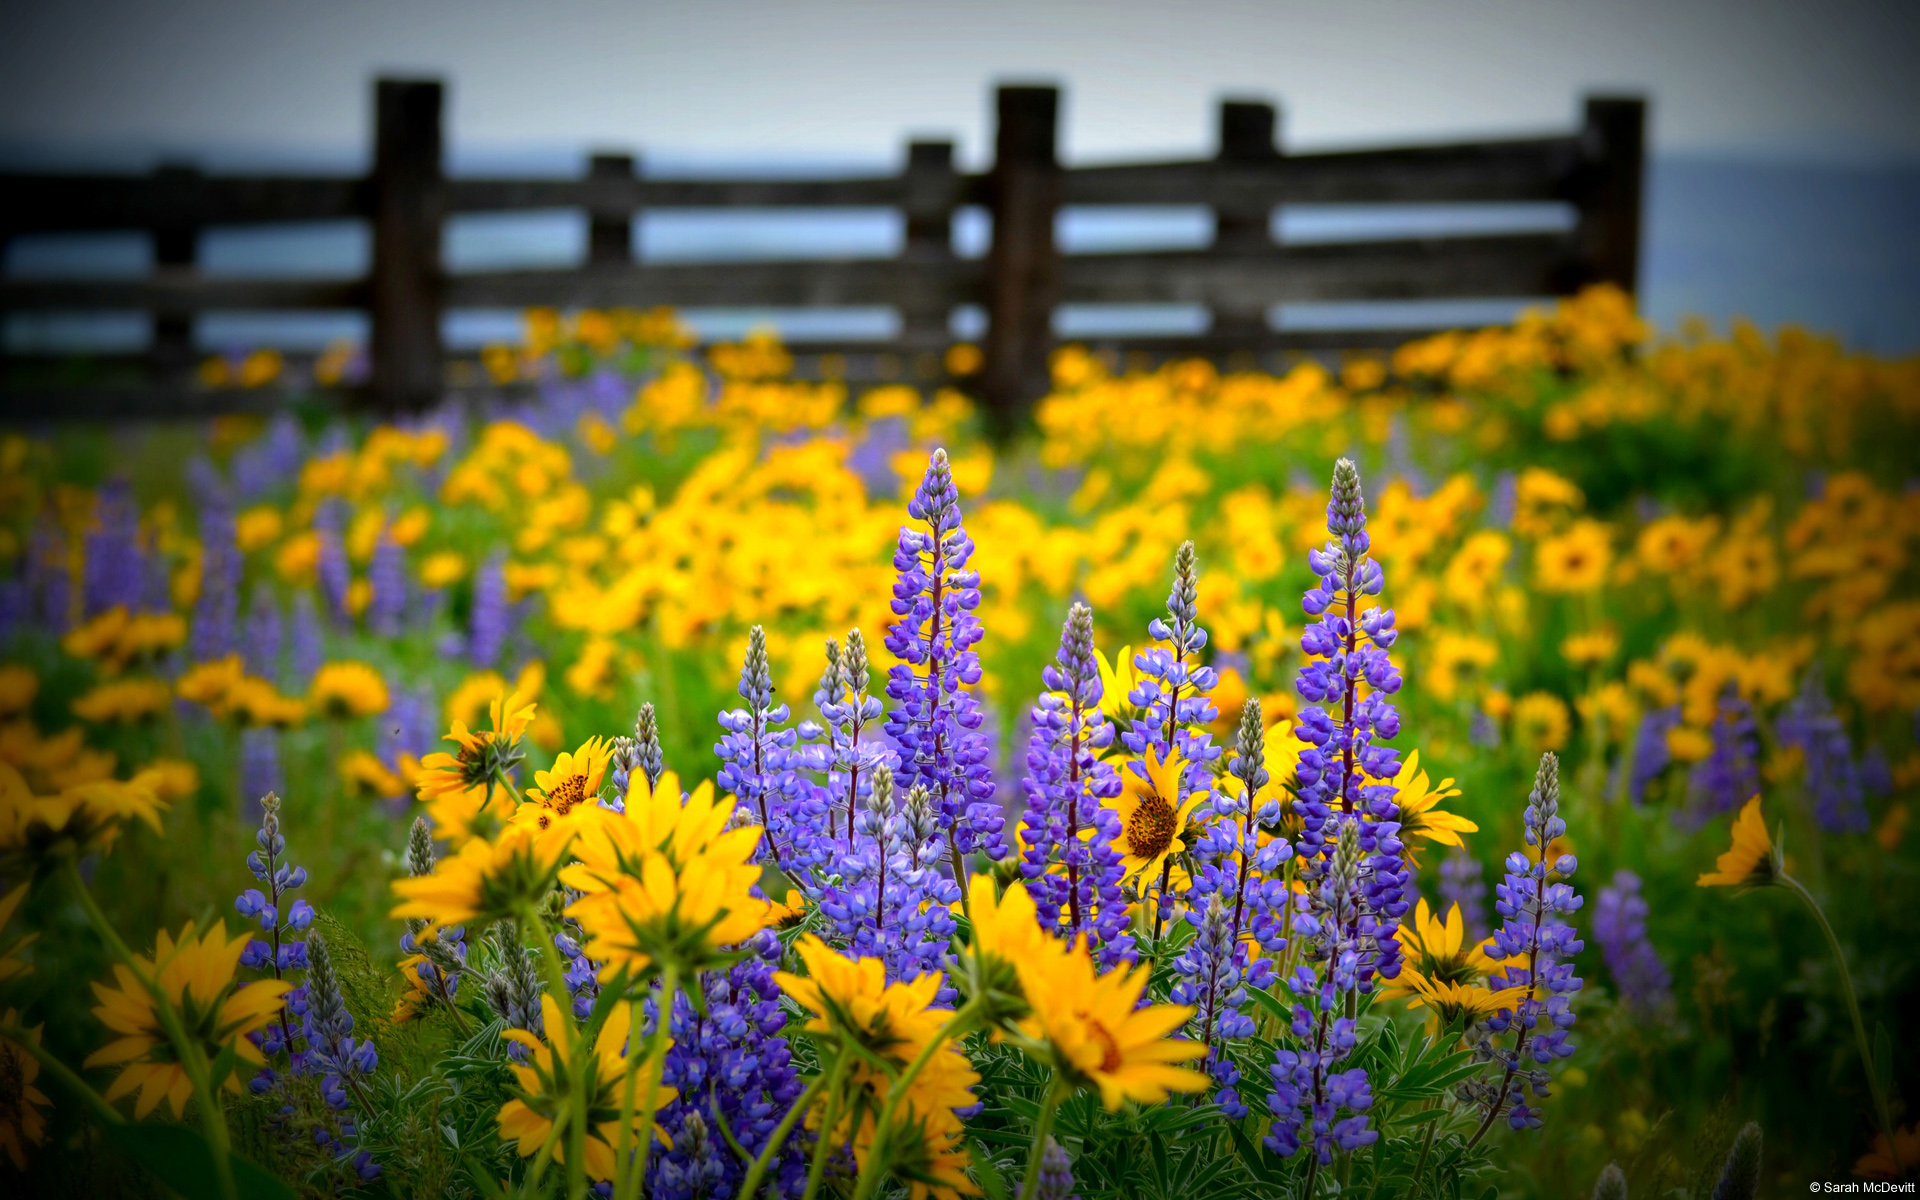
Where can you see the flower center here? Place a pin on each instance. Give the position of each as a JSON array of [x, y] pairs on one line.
[[562, 796], [1151, 830], [1110, 1057]]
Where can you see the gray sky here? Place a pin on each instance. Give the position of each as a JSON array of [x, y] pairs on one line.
[[1778, 79]]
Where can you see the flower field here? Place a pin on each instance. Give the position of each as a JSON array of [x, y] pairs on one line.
[[1482, 770]]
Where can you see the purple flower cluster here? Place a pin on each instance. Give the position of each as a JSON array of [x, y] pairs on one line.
[[1620, 924], [1651, 757], [307, 648], [320, 1046], [936, 719], [1834, 781], [1072, 870], [891, 900], [1730, 773], [731, 1064], [269, 461], [1537, 945], [1347, 646], [336, 576], [1056, 1174], [1173, 684], [842, 746], [1308, 1094], [387, 608], [758, 764], [445, 954], [1240, 899], [1463, 882], [217, 609], [114, 572], [260, 635], [491, 618]]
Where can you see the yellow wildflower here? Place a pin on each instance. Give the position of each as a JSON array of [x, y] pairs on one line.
[[546, 1089], [1752, 860], [344, 690], [21, 1121]]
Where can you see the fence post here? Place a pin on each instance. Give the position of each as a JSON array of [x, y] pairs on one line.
[[1614, 142], [610, 227], [929, 190], [409, 203], [1023, 270], [1249, 135], [175, 246]]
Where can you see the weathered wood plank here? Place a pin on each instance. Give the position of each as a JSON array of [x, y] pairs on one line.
[[1534, 169], [38, 203], [181, 292], [1429, 268], [795, 284]]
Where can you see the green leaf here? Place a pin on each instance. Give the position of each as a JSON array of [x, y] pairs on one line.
[[179, 1157], [1271, 1003], [1250, 1154], [987, 1172]]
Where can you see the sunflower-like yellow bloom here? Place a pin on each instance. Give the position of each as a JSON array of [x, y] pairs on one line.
[[1116, 684], [1006, 927], [196, 976], [657, 821], [18, 686], [547, 1088], [461, 789], [1100, 1038], [123, 701], [1419, 818], [1750, 861], [344, 690], [255, 701], [571, 786], [366, 776], [11, 966], [483, 880], [21, 1121], [211, 684], [894, 1022], [169, 779], [681, 913], [1153, 818], [1442, 971], [83, 816]]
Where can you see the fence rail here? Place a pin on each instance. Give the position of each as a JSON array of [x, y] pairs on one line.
[[1021, 281]]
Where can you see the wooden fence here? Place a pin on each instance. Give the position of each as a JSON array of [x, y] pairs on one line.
[[1020, 282]]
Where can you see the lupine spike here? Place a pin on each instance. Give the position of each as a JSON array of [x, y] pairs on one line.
[[1612, 1184], [1740, 1174], [646, 739]]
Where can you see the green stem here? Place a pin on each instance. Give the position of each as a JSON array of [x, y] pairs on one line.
[[69, 1079], [758, 1171], [576, 1164], [212, 1117], [1880, 1107], [631, 1173], [883, 1127], [817, 1170], [1044, 1126]]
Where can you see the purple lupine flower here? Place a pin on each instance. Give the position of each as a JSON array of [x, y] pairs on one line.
[[1056, 1173], [1833, 780], [1651, 757], [345, 1060], [729, 1061], [1066, 786], [1730, 773], [487, 623], [1346, 646], [445, 953], [891, 901], [1483, 731], [1537, 946], [1620, 924], [1503, 500], [1241, 899], [513, 989], [1876, 771], [269, 461], [16, 607], [217, 611], [336, 576], [1463, 882], [1308, 1094], [260, 769], [50, 574], [937, 718], [309, 649], [260, 635], [387, 608], [757, 764], [1173, 684], [114, 568], [842, 748]]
